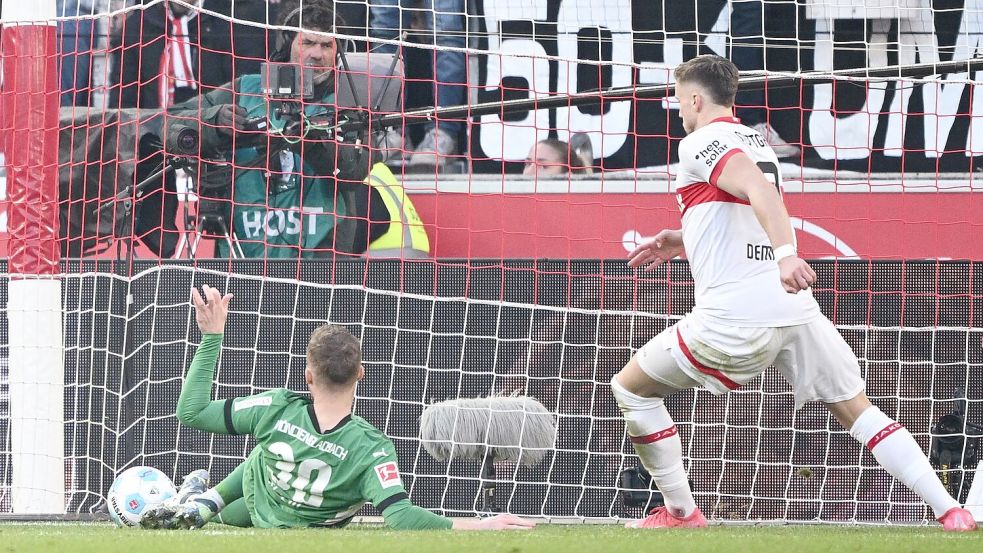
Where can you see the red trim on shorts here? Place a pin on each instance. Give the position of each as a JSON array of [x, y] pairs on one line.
[[884, 433], [719, 167], [652, 438], [704, 192], [703, 368]]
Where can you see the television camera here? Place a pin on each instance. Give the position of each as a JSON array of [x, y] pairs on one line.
[[343, 128], [955, 448]]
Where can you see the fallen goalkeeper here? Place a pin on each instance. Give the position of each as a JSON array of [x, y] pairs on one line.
[[314, 464]]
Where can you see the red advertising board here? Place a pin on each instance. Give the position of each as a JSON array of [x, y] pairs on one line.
[[902, 225], [868, 225]]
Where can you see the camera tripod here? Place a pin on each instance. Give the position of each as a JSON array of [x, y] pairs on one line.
[[207, 225], [123, 206], [214, 210]]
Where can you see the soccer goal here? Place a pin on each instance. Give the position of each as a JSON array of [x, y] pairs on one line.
[[499, 266]]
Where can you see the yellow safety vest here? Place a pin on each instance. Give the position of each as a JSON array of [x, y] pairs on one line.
[[406, 236]]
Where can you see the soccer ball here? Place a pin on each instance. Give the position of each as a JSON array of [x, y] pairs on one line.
[[134, 491]]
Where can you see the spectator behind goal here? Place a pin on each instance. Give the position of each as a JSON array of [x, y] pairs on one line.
[[552, 158], [389, 19], [396, 230], [169, 52]]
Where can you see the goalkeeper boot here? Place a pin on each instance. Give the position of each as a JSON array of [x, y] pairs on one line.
[[957, 519], [161, 517], [192, 514], [166, 516], [660, 517], [195, 483], [195, 513]]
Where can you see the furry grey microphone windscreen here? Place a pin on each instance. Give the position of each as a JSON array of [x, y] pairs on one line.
[[515, 428]]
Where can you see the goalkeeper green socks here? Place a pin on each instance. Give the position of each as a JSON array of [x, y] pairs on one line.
[[230, 488]]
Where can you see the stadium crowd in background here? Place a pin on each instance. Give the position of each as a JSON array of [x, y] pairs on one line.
[[747, 28], [184, 48], [171, 51], [445, 21], [76, 40], [552, 158]]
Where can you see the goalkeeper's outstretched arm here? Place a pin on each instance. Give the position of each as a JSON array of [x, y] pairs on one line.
[[403, 515], [194, 407]]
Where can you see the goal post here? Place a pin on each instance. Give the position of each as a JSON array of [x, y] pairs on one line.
[[36, 377]]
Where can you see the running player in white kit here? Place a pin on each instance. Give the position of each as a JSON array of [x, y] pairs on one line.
[[753, 307]]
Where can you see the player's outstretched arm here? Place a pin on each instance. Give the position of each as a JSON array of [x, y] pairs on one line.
[[743, 179], [497, 522], [382, 486], [655, 251], [403, 515], [194, 407], [212, 311]]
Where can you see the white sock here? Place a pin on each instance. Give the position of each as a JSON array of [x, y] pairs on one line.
[[901, 456], [209, 503], [654, 436]]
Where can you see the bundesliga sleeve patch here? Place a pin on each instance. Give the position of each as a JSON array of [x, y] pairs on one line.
[[388, 474]]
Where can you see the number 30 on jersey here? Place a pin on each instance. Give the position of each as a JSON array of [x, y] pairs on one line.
[[297, 476]]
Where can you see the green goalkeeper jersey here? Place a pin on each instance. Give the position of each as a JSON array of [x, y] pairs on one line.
[[300, 476]]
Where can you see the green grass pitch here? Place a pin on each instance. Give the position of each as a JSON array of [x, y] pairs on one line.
[[592, 538]]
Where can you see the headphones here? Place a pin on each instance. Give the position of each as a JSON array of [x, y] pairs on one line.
[[284, 38]]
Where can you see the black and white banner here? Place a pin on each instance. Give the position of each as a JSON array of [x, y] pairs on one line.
[[885, 126]]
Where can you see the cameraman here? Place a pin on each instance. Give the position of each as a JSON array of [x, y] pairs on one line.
[[288, 198]]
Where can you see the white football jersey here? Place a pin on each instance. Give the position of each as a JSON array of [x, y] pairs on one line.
[[734, 270]]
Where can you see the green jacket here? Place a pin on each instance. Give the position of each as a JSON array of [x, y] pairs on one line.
[[283, 207]]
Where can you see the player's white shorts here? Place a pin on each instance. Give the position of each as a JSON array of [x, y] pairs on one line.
[[813, 357]]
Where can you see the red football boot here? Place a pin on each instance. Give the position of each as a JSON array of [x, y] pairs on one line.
[[662, 518], [957, 519]]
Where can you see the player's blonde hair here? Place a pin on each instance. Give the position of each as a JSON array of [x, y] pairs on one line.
[[716, 75], [334, 355]]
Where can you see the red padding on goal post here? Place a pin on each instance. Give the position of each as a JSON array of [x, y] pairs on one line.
[[29, 120]]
